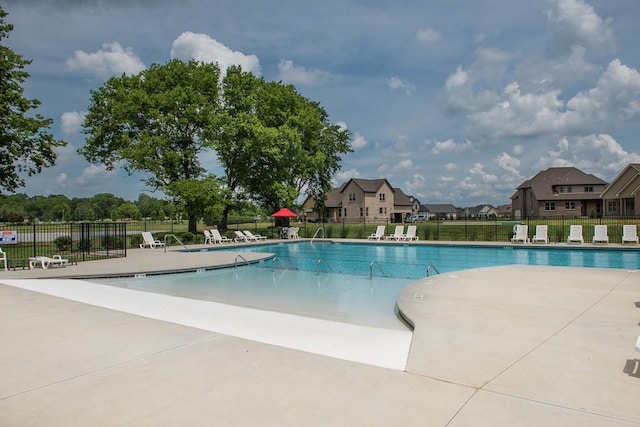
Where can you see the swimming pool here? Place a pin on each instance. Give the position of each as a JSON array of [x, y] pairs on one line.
[[353, 282]]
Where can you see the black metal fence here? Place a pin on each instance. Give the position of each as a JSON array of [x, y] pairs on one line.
[[494, 230], [75, 241]]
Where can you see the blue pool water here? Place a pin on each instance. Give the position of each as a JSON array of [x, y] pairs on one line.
[[296, 280], [411, 261]]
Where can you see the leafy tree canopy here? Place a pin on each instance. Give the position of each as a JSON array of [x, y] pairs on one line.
[[26, 146]]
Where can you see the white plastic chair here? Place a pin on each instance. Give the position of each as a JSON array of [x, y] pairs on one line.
[[521, 234], [379, 234], [575, 234], [629, 234], [600, 234], [3, 258], [541, 235]]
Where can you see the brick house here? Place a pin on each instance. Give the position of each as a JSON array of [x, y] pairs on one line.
[[358, 200], [622, 196], [564, 191]]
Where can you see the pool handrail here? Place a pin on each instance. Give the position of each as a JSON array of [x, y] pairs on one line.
[[371, 264], [432, 267], [235, 263], [320, 260], [178, 240], [316, 234]]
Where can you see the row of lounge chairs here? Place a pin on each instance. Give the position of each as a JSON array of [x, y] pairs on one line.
[[398, 234], [600, 234]]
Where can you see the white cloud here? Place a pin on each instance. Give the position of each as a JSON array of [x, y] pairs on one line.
[[427, 35], [478, 169], [111, 60], [451, 167], [599, 154], [203, 48], [61, 180], [397, 83], [616, 96], [509, 164], [450, 146], [297, 75], [94, 176], [71, 121], [344, 176], [358, 141], [416, 183], [575, 23]]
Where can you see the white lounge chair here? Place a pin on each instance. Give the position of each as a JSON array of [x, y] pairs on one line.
[[208, 237], [575, 234], [149, 242], [379, 234], [411, 233], [216, 237], [520, 234], [600, 234], [541, 234], [252, 236], [397, 234], [240, 236], [3, 258], [629, 234], [45, 261]]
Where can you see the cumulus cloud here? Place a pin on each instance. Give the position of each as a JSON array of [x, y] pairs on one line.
[[427, 35], [346, 175], [93, 176], [61, 180], [600, 154], [575, 23], [449, 146], [358, 141], [397, 83], [203, 48], [71, 121], [109, 61], [478, 170], [509, 164], [298, 75], [416, 183]]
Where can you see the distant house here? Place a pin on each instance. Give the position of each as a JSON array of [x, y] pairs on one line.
[[480, 212], [442, 211], [564, 191], [358, 200], [622, 196], [504, 211]]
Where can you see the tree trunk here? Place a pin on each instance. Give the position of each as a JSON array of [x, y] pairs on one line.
[[224, 224], [193, 224]]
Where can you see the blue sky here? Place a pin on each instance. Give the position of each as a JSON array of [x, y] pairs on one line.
[[452, 101]]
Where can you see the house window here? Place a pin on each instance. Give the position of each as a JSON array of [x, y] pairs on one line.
[[612, 206], [352, 197], [549, 206], [381, 211], [345, 212], [382, 197], [570, 205], [366, 211], [588, 189], [569, 189], [360, 211]]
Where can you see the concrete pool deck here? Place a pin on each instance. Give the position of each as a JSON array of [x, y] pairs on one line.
[[514, 345]]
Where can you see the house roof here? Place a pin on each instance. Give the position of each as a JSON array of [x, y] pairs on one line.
[[367, 185], [401, 199], [626, 184], [436, 209], [543, 183]]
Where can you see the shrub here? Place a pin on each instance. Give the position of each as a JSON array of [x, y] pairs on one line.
[[63, 243]]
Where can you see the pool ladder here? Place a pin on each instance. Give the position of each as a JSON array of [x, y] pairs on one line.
[[178, 240], [322, 261], [432, 267], [371, 264], [316, 234], [235, 263]]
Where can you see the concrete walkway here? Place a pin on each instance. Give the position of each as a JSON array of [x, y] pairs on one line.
[[515, 345]]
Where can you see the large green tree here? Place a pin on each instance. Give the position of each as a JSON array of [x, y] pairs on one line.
[[273, 143], [26, 146], [155, 122]]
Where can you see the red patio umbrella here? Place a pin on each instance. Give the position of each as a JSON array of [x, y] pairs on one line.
[[284, 213]]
